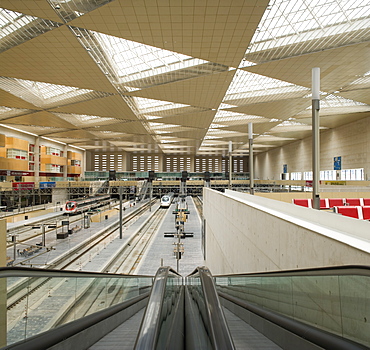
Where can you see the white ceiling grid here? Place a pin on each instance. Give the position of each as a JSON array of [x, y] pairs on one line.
[[181, 77]]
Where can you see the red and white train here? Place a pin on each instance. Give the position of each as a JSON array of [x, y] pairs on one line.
[[77, 206]]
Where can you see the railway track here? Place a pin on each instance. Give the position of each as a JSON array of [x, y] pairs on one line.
[[198, 205], [68, 260], [125, 262]]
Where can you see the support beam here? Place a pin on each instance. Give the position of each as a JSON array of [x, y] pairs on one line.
[[251, 169], [315, 138], [230, 164]]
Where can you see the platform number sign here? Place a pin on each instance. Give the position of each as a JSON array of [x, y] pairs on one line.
[[285, 168], [337, 163]]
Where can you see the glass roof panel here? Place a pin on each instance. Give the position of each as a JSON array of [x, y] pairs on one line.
[[138, 66], [16, 28], [71, 9], [84, 120], [148, 106], [321, 24], [248, 85], [44, 94], [6, 112]]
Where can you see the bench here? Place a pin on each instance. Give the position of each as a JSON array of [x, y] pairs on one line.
[[366, 212], [355, 201], [303, 202], [350, 211], [336, 202]]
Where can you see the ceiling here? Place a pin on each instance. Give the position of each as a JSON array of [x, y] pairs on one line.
[[181, 77]]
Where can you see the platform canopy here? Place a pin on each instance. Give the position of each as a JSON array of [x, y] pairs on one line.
[[181, 77]]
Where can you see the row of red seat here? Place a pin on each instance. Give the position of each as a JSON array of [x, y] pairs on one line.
[[328, 203], [356, 212]]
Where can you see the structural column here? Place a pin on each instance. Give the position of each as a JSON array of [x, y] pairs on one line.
[[83, 165], [251, 169], [65, 168], [3, 289], [37, 160], [315, 138], [230, 163]]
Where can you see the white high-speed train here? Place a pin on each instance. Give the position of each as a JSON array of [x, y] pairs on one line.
[[166, 200]]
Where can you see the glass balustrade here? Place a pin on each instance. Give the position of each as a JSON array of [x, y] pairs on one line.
[[336, 301], [45, 300]]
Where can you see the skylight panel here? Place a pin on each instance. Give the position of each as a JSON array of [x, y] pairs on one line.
[[71, 9], [246, 85], [322, 24], [337, 101], [84, 120], [147, 106], [136, 66], [131, 57], [44, 94], [6, 112], [16, 28]]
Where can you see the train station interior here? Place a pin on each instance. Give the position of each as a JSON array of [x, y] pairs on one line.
[[184, 174]]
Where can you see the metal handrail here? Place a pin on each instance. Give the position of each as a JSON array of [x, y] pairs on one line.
[[37, 272], [220, 336], [150, 327], [314, 335], [362, 270]]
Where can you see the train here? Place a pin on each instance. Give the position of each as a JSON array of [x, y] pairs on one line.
[[166, 200], [77, 206]]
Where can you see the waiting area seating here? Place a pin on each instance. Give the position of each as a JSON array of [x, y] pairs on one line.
[[329, 203], [358, 208]]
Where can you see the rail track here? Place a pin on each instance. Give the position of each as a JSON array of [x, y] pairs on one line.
[[68, 260], [29, 292], [199, 205]]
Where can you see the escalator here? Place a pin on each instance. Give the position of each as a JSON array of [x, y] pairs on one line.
[[302, 309]]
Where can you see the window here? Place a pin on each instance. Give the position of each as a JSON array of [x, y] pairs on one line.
[[352, 174], [16, 154], [296, 176]]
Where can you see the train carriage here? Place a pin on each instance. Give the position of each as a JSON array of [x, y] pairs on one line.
[[81, 205]]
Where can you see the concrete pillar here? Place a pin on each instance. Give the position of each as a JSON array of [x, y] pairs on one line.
[[65, 168], [37, 160], [83, 165], [3, 318]]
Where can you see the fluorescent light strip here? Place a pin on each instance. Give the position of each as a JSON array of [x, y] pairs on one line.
[[46, 138], [21, 131]]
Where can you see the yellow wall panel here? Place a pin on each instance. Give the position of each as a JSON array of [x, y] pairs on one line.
[[15, 143], [2, 140]]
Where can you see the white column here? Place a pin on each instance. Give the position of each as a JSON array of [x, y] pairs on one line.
[[37, 160], [230, 163], [65, 168], [251, 168], [315, 137], [3, 288]]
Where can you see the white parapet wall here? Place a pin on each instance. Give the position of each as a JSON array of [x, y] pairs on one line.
[[246, 233]]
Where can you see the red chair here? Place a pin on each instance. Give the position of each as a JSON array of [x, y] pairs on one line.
[[351, 211], [366, 201], [355, 201], [303, 202], [324, 203], [336, 202], [366, 212]]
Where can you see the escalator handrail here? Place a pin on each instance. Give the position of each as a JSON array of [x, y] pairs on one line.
[[6, 272], [362, 270], [219, 331], [314, 335], [150, 326]]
